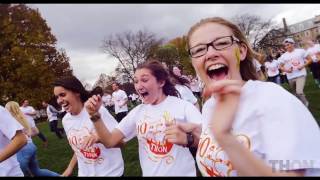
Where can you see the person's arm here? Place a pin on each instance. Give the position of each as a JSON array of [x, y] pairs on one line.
[[227, 94], [281, 65], [283, 69], [17, 142], [72, 164], [245, 162], [53, 109], [34, 131], [177, 133], [308, 62], [32, 112], [107, 138], [124, 102]]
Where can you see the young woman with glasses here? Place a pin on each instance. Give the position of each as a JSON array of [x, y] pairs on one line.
[[250, 127]]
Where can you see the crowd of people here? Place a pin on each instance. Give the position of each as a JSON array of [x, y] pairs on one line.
[[236, 132]]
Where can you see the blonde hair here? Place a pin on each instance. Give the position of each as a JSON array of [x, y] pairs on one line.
[[247, 69], [14, 109]]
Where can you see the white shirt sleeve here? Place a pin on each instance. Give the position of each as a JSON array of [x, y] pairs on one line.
[[189, 95], [192, 114], [124, 95], [128, 124], [8, 126], [257, 65], [289, 132], [305, 53], [32, 109], [280, 60], [108, 119]]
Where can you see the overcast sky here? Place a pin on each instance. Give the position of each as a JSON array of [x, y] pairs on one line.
[[80, 28]]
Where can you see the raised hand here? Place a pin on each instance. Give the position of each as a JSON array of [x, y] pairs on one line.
[[227, 96], [89, 141], [175, 134], [93, 104]]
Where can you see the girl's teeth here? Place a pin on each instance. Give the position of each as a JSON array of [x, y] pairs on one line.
[[216, 66]]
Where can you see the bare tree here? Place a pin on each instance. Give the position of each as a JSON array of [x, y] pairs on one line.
[[130, 48], [253, 26], [272, 41]]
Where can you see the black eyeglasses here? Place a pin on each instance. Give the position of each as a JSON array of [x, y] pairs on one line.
[[218, 44]]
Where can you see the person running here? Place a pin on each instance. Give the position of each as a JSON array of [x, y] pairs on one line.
[[27, 156], [30, 113], [12, 139], [293, 62], [272, 67], [120, 100], [107, 101], [158, 156], [312, 50], [182, 85], [241, 133], [195, 86], [52, 113], [92, 157]]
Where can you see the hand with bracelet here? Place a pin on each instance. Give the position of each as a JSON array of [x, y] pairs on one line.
[[92, 106], [184, 134]]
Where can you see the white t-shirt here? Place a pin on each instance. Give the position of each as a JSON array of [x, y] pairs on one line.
[[312, 51], [195, 85], [52, 113], [147, 122], [8, 128], [186, 93], [29, 109], [272, 68], [294, 59], [96, 160], [257, 65], [271, 123], [134, 96], [118, 98], [107, 100]]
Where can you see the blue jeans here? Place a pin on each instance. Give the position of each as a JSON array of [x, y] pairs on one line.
[[29, 163]]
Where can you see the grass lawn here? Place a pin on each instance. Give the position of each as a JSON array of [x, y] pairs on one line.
[[58, 154]]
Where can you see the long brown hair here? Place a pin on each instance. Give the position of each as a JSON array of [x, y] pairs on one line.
[[247, 69], [161, 74], [73, 84]]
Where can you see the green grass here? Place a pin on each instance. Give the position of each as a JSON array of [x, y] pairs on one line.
[[313, 96], [58, 154]]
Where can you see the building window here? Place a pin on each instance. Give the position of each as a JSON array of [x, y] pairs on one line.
[[292, 29], [301, 27]]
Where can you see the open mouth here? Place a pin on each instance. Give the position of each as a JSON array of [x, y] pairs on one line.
[[65, 106], [144, 94], [218, 71]]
